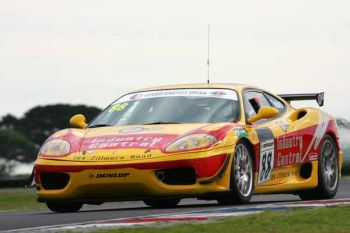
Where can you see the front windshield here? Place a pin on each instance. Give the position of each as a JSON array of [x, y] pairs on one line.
[[171, 107]]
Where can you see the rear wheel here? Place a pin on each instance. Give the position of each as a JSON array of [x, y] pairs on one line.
[[242, 177], [62, 207], [328, 173], [162, 203]]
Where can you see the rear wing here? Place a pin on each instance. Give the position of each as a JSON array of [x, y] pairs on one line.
[[319, 97]]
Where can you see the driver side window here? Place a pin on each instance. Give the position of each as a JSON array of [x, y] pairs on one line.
[[276, 103], [253, 101]]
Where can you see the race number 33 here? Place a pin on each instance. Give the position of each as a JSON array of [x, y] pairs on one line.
[[267, 155]]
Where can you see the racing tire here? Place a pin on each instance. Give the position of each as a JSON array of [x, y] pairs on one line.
[[62, 207], [242, 177], [162, 203], [328, 173]]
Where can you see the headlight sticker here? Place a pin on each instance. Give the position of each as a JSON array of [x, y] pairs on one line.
[[192, 142], [55, 147]]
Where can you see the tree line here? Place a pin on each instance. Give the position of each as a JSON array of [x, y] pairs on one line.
[[22, 137]]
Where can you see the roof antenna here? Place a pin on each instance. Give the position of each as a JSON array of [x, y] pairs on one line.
[[208, 52]]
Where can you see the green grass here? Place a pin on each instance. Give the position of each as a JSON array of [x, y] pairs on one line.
[[19, 199], [321, 220]]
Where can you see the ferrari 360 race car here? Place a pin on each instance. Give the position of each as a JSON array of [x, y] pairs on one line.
[[221, 142]]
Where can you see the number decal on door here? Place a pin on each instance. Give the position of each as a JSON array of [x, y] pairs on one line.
[[267, 154]]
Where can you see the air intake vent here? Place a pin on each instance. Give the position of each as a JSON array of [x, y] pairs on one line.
[[298, 114], [54, 180], [306, 170], [177, 176]]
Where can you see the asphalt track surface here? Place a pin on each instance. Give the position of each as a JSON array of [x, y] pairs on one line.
[[20, 220]]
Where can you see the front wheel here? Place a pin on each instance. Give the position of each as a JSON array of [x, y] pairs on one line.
[[242, 177], [62, 207], [162, 203], [328, 173]]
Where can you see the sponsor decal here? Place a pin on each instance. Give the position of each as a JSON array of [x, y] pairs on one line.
[[154, 141], [284, 174], [115, 157], [240, 132], [105, 158], [313, 156], [267, 154], [136, 96], [289, 150], [112, 175], [218, 93], [144, 156], [131, 130], [79, 157], [154, 128], [108, 175], [283, 124], [118, 107], [215, 93], [125, 142]]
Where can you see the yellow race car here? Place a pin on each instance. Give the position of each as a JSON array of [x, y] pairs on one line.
[[210, 141]]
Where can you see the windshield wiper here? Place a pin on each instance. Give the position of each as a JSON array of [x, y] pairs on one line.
[[99, 125], [161, 123]]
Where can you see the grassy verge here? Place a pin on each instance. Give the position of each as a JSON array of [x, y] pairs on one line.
[[322, 220], [19, 199]]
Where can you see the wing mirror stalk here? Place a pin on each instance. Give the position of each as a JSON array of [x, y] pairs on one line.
[[265, 112]]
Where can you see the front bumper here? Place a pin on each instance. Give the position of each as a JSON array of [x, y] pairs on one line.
[[99, 181]]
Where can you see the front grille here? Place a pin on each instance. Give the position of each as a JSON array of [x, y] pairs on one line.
[[177, 176], [54, 180]]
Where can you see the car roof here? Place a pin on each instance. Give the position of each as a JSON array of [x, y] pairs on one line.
[[236, 87]]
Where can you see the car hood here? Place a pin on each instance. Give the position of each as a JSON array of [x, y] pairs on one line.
[[146, 137], [98, 144]]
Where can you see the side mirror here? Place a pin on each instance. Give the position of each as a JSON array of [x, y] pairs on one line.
[[78, 121], [265, 112]]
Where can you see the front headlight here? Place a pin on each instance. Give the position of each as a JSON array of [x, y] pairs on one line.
[[55, 147], [191, 142]]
